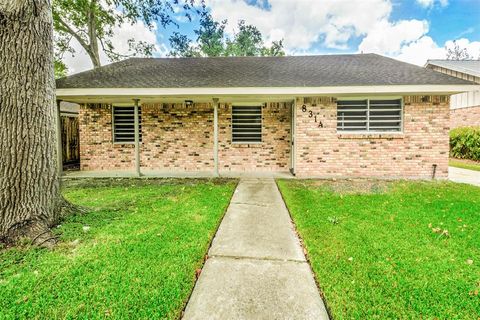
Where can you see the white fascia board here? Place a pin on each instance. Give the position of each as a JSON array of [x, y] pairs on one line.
[[247, 91]]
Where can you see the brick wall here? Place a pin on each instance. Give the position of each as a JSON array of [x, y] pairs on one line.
[[465, 117], [180, 138], [273, 154], [177, 138], [321, 152], [97, 152]]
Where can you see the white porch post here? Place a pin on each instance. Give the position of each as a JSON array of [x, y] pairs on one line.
[[59, 141], [215, 137], [137, 139], [293, 145]]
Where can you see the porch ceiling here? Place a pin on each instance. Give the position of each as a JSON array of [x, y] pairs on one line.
[[253, 94]]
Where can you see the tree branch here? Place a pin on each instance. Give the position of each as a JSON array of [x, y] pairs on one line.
[[70, 30], [111, 53]]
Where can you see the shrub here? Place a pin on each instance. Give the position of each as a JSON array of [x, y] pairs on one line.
[[465, 143]]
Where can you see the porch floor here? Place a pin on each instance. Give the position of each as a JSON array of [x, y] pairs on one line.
[[176, 174]]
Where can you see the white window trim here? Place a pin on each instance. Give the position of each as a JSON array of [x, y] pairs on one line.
[[368, 98], [248, 104]]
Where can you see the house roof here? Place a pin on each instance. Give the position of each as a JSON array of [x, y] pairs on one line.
[[227, 72], [471, 67]]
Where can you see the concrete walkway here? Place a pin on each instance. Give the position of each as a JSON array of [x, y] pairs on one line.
[[256, 267], [464, 176]]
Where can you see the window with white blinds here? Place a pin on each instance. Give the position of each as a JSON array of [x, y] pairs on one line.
[[124, 124], [369, 115], [246, 124]]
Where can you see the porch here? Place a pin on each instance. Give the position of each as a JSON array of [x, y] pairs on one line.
[[200, 138]]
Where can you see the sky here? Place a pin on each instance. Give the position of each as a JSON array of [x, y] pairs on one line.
[[408, 30]]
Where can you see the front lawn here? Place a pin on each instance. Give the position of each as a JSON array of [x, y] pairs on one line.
[[464, 164], [134, 256], [403, 250]]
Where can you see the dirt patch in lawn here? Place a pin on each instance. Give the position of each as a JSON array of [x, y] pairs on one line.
[[136, 182], [354, 186]]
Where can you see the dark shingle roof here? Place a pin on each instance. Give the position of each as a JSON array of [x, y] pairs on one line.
[[293, 71]]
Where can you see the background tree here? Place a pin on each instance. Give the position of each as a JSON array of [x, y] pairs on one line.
[[210, 36], [92, 23], [212, 41], [30, 198], [182, 46], [457, 53]]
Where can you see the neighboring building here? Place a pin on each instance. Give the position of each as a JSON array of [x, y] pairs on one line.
[[465, 107], [68, 109], [359, 115]]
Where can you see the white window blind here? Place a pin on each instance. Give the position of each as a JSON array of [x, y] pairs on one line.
[[246, 124], [124, 124], [369, 115]]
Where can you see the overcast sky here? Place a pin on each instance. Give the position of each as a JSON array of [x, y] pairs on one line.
[[410, 30]]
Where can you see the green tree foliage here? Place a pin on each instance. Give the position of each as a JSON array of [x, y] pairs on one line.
[[60, 69], [210, 36], [212, 41], [91, 23]]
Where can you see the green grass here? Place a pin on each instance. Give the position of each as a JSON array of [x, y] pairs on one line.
[[470, 165], [137, 261], [376, 253]]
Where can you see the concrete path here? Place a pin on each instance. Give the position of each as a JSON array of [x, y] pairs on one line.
[[147, 173], [464, 176], [256, 267]]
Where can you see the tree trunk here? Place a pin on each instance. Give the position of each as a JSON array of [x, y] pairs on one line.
[[92, 35], [30, 199], [95, 57]]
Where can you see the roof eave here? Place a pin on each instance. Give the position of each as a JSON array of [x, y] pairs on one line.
[[94, 94]]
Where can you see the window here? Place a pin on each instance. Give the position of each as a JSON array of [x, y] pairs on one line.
[[123, 124], [246, 124], [369, 115]]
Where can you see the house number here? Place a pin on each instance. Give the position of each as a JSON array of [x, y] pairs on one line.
[[311, 115]]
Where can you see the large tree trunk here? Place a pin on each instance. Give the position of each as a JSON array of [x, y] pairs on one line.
[[92, 35], [30, 199]]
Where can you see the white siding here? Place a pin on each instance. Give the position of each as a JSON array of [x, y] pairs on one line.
[[465, 100], [461, 100], [456, 74]]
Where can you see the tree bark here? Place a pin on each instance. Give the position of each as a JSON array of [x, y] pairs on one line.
[[92, 35], [30, 198]]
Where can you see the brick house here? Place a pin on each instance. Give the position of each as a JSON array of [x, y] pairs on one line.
[[326, 116], [464, 107]]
